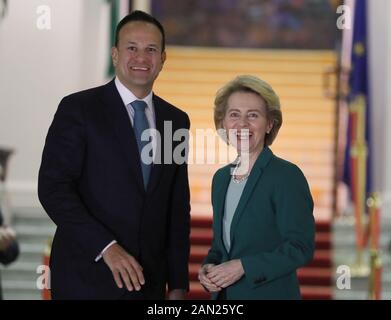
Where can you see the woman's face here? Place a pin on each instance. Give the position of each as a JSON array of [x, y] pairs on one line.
[[246, 122]]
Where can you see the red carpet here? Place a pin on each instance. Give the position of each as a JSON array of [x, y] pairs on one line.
[[315, 278]]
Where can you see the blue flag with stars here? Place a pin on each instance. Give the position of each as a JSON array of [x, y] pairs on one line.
[[359, 93]]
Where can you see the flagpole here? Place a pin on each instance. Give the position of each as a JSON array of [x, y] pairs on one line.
[[347, 37], [358, 165], [357, 140], [343, 110], [375, 261]]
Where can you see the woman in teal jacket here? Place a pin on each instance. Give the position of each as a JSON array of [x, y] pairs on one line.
[[263, 220]]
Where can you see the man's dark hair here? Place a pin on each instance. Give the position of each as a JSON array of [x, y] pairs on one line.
[[138, 15]]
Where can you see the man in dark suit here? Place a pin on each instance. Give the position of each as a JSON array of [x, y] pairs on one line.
[[123, 224], [9, 248]]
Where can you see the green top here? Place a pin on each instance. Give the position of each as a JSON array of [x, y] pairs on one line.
[[232, 198]]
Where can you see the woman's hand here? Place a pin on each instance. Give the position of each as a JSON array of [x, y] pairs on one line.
[[225, 274], [202, 276]]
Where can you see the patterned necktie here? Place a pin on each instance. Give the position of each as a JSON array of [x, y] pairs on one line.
[[140, 123]]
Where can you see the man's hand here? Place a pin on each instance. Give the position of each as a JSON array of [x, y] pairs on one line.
[[225, 274], [176, 294], [7, 236], [205, 281], [124, 267]]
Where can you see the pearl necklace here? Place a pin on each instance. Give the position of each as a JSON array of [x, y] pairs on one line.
[[242, 178]]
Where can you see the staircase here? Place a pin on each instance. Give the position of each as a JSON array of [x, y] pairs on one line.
[[345, 254], [315, 279], [34, 229], [190, 79]]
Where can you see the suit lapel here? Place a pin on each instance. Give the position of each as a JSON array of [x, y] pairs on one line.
[[253, 179], [119, 120], [220, 195]]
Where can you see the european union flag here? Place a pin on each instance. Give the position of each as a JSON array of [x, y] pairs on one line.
[[358, 140]]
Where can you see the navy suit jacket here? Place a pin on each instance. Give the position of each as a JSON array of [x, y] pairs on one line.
[[91, 186]]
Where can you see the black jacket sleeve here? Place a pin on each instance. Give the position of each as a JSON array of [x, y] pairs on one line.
[[60, 171]]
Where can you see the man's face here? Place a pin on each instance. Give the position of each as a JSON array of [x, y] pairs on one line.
[[138, 57]]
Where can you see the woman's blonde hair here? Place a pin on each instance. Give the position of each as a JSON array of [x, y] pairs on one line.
[[249, 83]]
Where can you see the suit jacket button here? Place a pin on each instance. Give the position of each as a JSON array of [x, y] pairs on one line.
[[259, 280]]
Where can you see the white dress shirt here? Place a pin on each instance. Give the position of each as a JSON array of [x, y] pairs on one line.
[[128, 97]]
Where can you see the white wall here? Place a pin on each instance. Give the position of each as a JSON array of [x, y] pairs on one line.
[[387, 116], [38, 68], [380, 66]]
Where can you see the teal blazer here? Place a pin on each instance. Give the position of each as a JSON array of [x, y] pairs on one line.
[[272, 231]]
